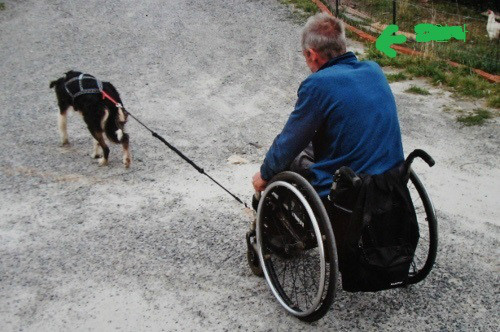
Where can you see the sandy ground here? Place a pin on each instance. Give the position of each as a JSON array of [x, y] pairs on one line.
[[158, 247]]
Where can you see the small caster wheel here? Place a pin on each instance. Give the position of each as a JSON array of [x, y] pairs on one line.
[[252, 256]]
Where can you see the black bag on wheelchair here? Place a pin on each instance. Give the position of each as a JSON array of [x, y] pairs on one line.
[[375, 226]]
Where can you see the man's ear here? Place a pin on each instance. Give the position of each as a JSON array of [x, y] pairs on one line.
[[313, 55]]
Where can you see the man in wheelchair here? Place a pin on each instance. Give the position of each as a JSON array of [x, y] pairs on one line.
[[349, 210], [345, 115]]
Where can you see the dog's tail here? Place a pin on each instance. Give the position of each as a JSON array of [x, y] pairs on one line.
[[54, 83]]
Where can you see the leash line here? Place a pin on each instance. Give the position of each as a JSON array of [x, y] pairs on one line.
[[230, 193], [189, 161]]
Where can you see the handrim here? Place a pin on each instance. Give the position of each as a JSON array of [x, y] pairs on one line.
[[317, 232]]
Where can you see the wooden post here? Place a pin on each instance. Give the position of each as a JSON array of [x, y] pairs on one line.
[[393, 11]]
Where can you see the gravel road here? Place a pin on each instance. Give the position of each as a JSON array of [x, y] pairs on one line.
[[159, 247]]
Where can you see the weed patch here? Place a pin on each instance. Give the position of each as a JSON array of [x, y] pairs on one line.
[[461, 80], [396, 77], [307, 6], [418, 90], [477, 118], [494, 101]]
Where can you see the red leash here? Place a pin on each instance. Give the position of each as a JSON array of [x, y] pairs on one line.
[[106, 96]]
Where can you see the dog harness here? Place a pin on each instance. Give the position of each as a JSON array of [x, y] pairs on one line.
[[83, 84], [87, 84]]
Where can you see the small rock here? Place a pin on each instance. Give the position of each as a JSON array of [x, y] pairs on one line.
[[235, 159]]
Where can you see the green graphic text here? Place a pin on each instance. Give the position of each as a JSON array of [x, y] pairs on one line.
[[425, 32]]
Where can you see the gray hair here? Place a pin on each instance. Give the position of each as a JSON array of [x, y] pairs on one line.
[[325, 34]]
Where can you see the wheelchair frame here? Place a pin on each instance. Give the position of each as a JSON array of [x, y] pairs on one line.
[[260, 258]]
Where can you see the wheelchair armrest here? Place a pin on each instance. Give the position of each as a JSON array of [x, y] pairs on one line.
[[409, 160], [421, 154]]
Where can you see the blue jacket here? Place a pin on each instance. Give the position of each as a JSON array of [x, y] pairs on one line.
[[348, 111]]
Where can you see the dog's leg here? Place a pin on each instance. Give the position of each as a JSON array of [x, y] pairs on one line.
[[63, 127], [99, 136], [127, 159], [103, 161], [97, 151]]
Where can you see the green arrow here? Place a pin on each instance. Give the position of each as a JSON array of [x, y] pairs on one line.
[[387, 38]]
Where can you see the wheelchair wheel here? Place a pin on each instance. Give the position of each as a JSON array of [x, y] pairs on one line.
[[296, 247], [425, 254]]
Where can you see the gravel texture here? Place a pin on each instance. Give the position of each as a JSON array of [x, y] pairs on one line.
[[158, 246]]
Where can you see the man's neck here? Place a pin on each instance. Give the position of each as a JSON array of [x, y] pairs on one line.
[[333, 60]]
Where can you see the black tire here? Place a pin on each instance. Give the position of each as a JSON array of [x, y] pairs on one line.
[[271, 230], [426, 252]]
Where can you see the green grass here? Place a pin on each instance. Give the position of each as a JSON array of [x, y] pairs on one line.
[[476, 55], [477, 118], [306, 6], [494, 101], [418, 90], [396, 77], [461, 80], [2, 6]]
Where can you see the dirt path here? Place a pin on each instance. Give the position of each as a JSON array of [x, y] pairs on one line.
[[158, 246]]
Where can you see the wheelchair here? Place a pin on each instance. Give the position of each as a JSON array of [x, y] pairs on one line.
[[291, 243]]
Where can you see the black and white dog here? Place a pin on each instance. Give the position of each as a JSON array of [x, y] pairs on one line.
[[101, 107]]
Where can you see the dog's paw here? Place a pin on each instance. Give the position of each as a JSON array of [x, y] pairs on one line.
[[103, 162], [127, 162], [96, 155], [65, 143], [127, 158]]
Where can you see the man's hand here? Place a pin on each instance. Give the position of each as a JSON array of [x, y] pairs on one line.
[[259, 184]]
